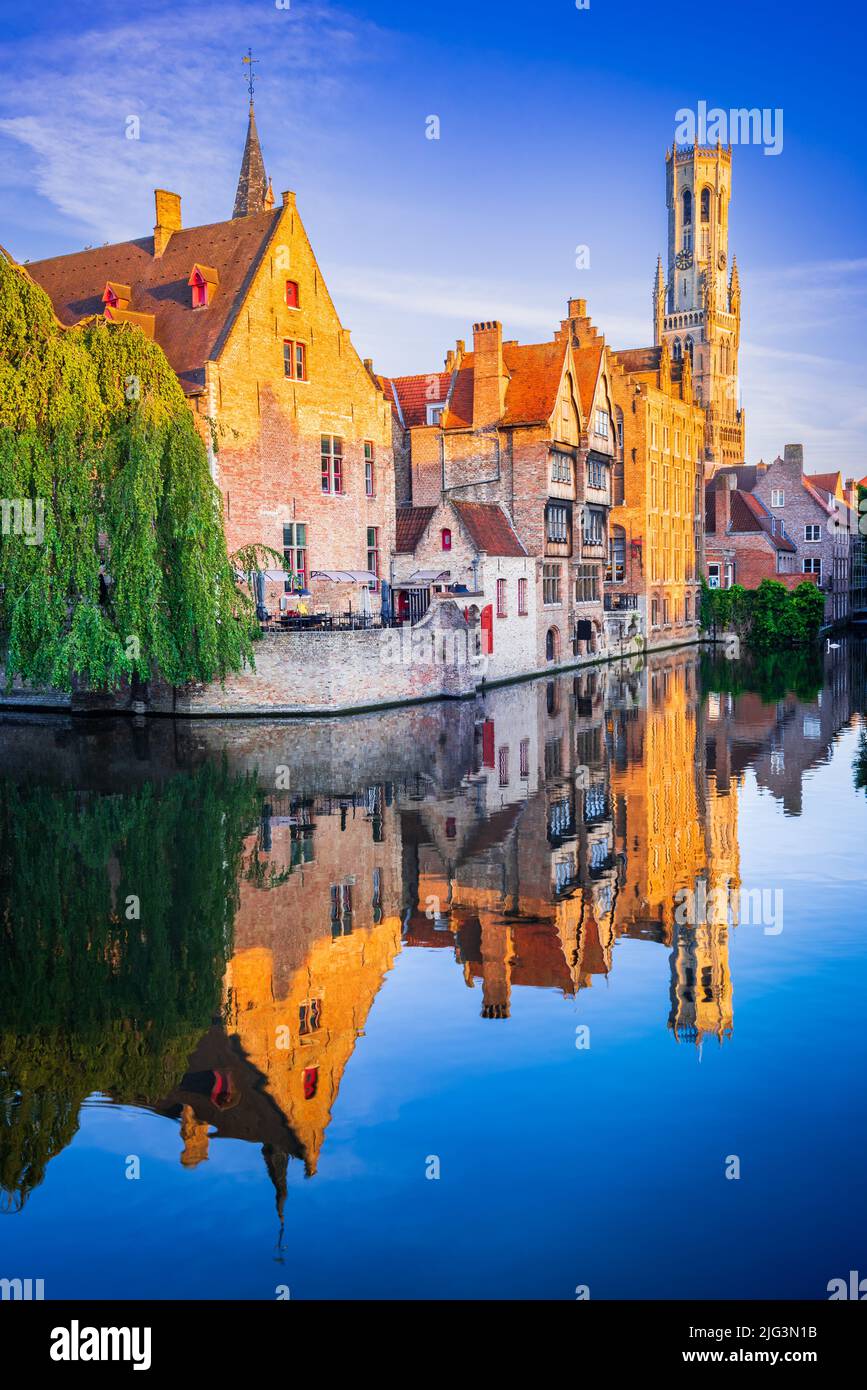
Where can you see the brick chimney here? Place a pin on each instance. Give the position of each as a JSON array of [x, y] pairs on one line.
[[724, 486], [168, 212], [489, 377], [794, 453]]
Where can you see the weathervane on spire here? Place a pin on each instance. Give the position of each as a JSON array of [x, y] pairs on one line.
[[251, 76]]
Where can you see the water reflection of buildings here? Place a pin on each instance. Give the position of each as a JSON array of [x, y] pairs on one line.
[[316, 931], [527, 834], [586, 809]]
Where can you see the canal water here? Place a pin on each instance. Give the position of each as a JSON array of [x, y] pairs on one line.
[[553, 992]]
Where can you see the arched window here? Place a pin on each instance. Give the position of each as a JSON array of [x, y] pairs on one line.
[[677, 350], [705, 205], [687, 208], [688, 345], [446, 537], [552, 644]]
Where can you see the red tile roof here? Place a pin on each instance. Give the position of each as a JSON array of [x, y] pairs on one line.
[[189, 337], [826, 482], [411, 525], [488, 528], [534, 372], [748, 514], [413, 394], [639, 360]]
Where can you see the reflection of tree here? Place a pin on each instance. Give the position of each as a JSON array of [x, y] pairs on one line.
[[771, 675], [859, 767], [91, 998]]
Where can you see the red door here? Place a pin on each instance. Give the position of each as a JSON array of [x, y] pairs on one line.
[[488, 630]]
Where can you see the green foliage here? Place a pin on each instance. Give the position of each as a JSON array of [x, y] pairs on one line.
[[131, 577], [768, 618], [860, 768], [91, 1000], [771, 675]]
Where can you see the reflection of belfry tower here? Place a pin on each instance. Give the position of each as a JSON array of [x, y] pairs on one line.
[[697, 304], [701, 983]]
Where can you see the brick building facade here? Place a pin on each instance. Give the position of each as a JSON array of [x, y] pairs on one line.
[[657, 525], [807, 511], [298, 432], [529, 428]]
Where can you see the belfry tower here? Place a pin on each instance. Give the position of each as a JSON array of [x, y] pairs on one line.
[[697, 302]]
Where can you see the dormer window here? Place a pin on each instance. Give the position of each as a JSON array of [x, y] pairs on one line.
[[435, 413], [116, 296], [203, 283], [292, 299]]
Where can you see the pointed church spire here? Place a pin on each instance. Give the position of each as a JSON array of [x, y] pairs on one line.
[[253, 186], [658, 303]]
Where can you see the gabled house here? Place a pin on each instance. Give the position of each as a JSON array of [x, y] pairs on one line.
[[744, 542], [298, 433], [529, 428], [813, 512], [468, 553]]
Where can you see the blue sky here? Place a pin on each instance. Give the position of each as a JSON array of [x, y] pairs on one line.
[[553, 127]]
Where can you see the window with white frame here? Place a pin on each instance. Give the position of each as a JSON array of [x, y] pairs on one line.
[[435, 414], [778, 497], [812, 532], [601, 427], [813, 565]]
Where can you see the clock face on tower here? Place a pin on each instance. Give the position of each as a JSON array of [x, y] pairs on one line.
[[722, 260], [683, 260]]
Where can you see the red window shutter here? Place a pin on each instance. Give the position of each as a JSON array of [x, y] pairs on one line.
[[488, 743], [487, 630]]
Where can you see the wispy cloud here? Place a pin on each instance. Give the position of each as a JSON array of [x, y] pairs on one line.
[[68, 116]]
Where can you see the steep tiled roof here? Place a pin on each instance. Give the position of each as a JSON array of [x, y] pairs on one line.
[[534, 372], [644, 359], [826, 482], [413, 394], [747, 474], [748, 514], [411, 525], [489, 528], [189, 337]]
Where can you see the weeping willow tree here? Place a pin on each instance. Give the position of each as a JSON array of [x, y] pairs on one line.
[[122, 570], [91, 998]]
